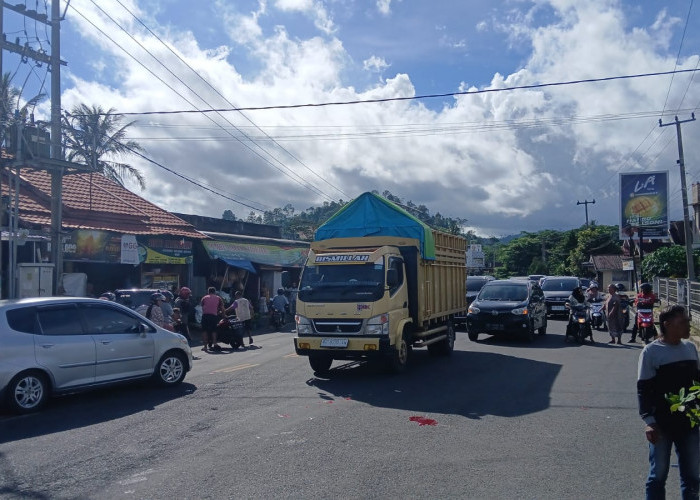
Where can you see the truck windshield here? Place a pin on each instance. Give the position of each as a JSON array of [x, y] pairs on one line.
[[342, 283]]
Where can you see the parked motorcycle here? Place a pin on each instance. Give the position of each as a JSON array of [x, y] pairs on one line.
[[579, 327], [645, 320], [230, 331], [598, 315]]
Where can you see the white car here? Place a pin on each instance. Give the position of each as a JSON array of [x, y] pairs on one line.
[[51, 345]]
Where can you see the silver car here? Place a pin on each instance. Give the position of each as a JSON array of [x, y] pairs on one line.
[[51, 345]]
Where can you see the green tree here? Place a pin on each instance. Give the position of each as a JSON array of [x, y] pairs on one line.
[[97, 138], [592, 240], [228, 215], [667, 262]]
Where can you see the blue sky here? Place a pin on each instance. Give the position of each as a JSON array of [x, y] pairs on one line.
[[507, 161]]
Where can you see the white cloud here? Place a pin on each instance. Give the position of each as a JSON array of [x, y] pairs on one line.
[[503, 160], [313, 8], [375, 64]]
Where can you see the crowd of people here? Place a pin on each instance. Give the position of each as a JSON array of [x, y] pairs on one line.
[[176, 313], [612, 306]]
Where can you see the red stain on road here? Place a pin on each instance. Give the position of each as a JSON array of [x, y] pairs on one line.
[[423, 420]]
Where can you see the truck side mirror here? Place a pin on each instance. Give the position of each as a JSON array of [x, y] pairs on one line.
[[392, 278], [286, 280]]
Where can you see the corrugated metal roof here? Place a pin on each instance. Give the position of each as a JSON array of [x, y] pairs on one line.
[[607, 262]]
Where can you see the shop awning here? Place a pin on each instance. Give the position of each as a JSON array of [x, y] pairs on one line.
[[240, 263]]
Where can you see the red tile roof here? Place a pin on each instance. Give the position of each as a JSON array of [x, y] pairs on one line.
[[91, 201]]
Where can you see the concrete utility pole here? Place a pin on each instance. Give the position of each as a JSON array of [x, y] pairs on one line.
[[56, 151], [684, 192], [586, 206]]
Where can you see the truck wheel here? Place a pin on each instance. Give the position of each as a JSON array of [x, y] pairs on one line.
[[445, 346], [399, 357], [473, 336], [320, 364]]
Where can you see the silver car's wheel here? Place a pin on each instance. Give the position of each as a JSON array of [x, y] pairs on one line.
[[171, 369], [27, 392]]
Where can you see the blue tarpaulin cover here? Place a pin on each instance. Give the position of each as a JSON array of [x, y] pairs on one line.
[[240, 263], [372, 215]]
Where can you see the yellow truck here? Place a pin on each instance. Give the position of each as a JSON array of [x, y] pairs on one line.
[[377, 283]]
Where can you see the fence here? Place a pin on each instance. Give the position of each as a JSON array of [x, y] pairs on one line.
[[677, 291]]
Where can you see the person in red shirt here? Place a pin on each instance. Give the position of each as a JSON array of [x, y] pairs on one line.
[[645, 296], [212, 308]]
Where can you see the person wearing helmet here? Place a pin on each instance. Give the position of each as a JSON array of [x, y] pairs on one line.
[[645, 295], [182, 302], [108, 296], [167, 307], [592, 292], [280, 303], [153, 311]]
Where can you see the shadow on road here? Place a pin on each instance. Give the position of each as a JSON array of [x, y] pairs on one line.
[[89, 408], [471, 384]]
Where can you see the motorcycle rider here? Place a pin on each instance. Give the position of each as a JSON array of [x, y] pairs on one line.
[[280, 303], [592, 293], [645, 295], [153, 311], [577, 298]]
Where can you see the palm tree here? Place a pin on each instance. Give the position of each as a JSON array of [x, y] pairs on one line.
[[10, 110], [94, 137]]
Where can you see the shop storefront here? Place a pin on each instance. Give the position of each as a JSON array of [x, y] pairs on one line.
[[253, 265], [110, 260]]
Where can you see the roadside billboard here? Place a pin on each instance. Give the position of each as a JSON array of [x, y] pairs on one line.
[[644, 205]]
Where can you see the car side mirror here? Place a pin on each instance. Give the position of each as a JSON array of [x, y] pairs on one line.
[[143, 328]]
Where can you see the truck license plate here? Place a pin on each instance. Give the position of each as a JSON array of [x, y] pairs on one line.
[[334, 342], [558, 308]]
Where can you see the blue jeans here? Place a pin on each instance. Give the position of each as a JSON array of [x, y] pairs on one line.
[[688, 453]]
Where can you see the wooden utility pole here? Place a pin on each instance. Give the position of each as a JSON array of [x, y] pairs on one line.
[[586, 206]]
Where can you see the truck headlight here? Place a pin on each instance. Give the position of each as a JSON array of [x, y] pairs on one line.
[[520, 311], [378, 325], [303, 325]]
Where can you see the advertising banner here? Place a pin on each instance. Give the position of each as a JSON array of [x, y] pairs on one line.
[[112, 248], [130, 249], [273, 255], [644, 205]]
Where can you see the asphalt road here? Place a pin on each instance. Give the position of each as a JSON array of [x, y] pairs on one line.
[[513, 420]]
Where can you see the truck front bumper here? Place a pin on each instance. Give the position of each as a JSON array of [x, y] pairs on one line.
[[357, 347]]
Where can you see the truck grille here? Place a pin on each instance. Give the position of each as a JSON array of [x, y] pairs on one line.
[[339, 326]]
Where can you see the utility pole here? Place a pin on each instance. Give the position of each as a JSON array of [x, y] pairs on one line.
[[684, 192], [585, 203], [56, 151]]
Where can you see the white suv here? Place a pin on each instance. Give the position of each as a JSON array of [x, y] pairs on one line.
[[51, 345]]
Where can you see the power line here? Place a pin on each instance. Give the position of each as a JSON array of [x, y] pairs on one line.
[[305, 184], [228, 101], [680, 46], [412, 98], [192, 181]]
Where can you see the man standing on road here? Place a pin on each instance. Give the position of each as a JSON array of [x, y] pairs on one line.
[[244, 312], [613, 313], [667, 365]]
